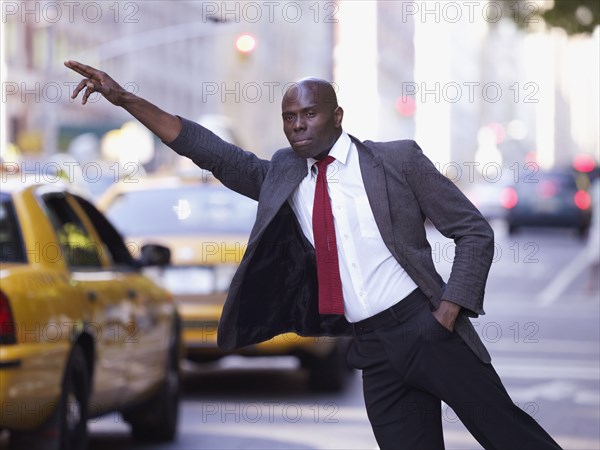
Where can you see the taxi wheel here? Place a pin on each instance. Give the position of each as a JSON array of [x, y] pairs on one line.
[[66, 429], [73, 408], [156, 420]]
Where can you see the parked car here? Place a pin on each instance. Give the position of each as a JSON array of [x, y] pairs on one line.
[[549, 199], [83, 331], [207, 226]]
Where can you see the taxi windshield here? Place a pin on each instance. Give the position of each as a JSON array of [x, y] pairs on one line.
[[180, 211]]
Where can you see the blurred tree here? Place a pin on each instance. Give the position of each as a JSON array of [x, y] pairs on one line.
[[574, 16]]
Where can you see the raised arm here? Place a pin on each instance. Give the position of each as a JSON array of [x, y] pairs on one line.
[[166, 126], [237, 169]]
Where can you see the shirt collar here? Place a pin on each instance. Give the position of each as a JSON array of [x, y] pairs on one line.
[[339, 151]]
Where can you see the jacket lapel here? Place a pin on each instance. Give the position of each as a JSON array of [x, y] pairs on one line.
[[373, 175], [285, 175]]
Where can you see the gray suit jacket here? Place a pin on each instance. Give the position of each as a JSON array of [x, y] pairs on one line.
[[275, 288]]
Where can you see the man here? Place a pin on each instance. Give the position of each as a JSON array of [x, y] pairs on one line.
[[339, 246]]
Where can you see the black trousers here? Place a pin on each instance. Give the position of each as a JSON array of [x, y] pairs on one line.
[[410, 362]]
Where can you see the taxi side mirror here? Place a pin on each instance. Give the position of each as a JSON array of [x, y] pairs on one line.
[[154, 255]]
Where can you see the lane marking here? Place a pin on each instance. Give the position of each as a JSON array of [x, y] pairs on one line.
[[561, 282], [541, 369], [543, 345], [462, 439]]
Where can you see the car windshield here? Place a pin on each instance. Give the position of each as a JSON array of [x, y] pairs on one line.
[[11, 245], [548, 185], [180, 211]]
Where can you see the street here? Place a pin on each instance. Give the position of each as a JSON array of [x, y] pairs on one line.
[[541, 328]]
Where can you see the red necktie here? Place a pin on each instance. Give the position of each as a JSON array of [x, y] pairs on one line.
[[331, 300]]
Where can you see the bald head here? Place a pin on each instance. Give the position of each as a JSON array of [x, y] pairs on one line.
[[321, 90]]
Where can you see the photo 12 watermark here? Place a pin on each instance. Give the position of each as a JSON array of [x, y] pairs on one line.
[[71, 172], [50, 92], [45, 12], [469, 91], [270, 412], [68, 331], [470, 11], [270, 11]]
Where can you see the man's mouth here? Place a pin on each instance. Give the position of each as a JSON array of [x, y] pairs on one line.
[[301, 142]]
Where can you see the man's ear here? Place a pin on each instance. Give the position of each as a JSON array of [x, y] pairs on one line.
[[338, 115]]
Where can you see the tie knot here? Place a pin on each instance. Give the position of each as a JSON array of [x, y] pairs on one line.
[[323, 163]]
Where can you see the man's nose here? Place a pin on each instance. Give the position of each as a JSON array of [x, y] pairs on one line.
[[299, 124]]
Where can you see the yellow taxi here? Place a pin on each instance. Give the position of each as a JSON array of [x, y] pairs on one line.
[[207, 227], [83, 332]]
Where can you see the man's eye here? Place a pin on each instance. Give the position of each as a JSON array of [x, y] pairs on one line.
[[310, 114]]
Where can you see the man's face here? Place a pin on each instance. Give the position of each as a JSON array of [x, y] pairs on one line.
[[311, 123]]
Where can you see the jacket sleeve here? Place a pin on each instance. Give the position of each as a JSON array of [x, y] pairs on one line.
[[237, 169], [458, 219]]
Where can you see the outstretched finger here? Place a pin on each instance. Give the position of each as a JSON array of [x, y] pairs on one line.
[[79, 87], [90, 88], [81, 69]]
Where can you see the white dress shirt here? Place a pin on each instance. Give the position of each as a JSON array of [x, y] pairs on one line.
[[372, 279]]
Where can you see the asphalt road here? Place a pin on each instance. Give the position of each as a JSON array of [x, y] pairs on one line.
[[541, 327]]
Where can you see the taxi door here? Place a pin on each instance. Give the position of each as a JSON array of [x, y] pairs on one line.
[[109, 314], [147, 340]]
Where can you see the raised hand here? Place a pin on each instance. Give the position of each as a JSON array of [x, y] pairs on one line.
[[96, 81], [166, 126]]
